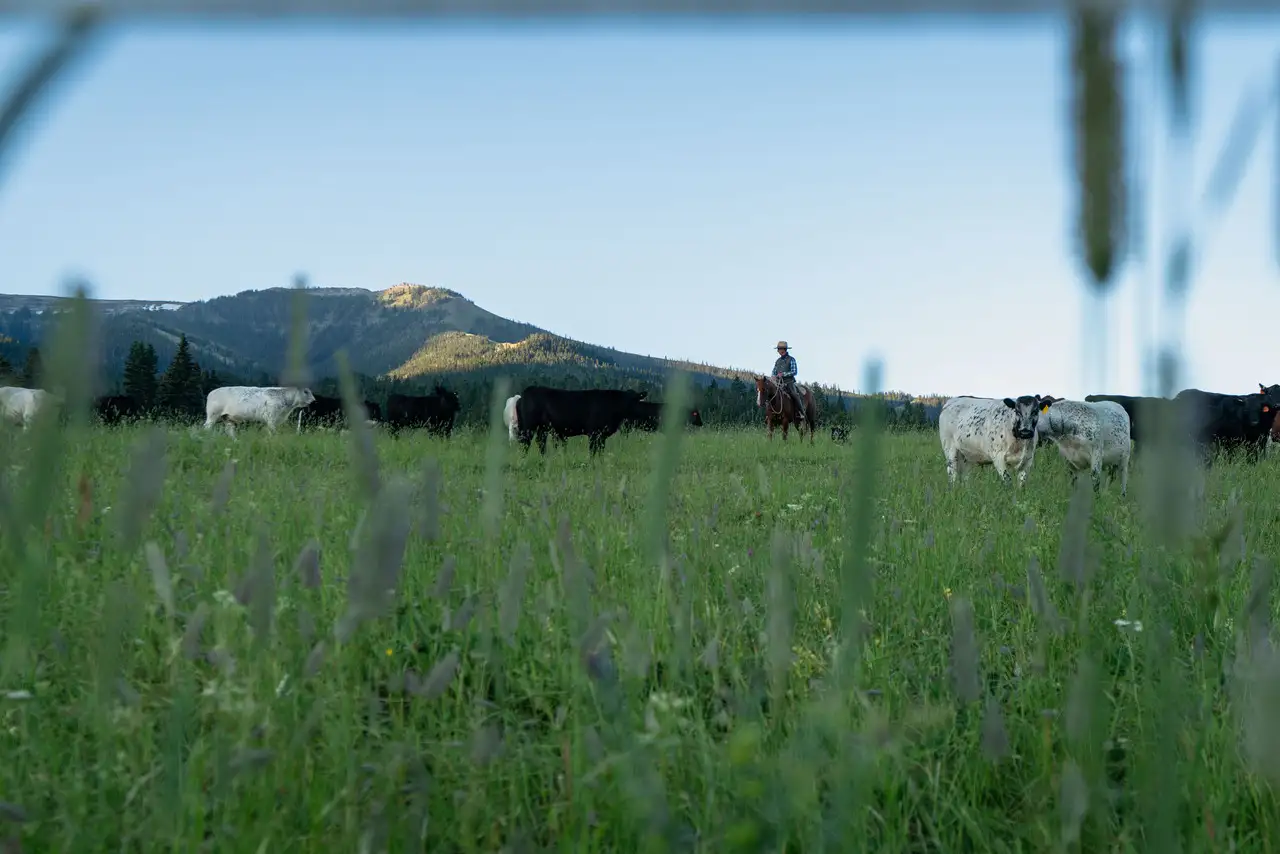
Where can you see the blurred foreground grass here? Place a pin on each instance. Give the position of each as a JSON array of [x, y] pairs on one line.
[[1017, 688]]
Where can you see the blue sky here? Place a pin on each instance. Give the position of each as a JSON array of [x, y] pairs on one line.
[[900, 191]]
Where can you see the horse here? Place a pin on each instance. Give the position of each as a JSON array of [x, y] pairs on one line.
[[779, 406]]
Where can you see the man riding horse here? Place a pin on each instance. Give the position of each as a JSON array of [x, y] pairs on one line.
[[784, 374]]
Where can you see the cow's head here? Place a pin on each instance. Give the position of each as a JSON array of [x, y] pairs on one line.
[[1254, 407], [1272, 393], [1026, 411], [301, 396], [695, 418]]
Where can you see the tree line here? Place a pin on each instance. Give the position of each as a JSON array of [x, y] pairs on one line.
[[178, 393]]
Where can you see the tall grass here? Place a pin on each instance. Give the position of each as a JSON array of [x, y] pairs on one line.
[[233, 650]]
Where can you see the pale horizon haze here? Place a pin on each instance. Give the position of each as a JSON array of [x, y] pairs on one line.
[[901, 191]]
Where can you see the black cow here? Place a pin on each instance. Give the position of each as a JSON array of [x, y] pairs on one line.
[[651, 417], [114, 408], [434, 411], [594, 413], [839, 434], [327, 412], [1228, 421]]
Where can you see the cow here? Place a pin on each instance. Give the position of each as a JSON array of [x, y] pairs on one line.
[[327, 412], [1089, 435], [839, 433], [21, 406], [650, 417], [509, 416], [112, 409], [985, 431], [241, 404], [1144, 412], [1227, 421], [594, 413], [434, 411]]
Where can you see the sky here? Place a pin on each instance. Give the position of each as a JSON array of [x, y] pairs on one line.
[[895, 191]]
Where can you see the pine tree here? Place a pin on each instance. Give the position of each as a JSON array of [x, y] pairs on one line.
[[180, 391], [33, 370], [140, 381]]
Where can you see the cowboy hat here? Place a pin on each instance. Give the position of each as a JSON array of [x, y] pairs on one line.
[[782, 345]]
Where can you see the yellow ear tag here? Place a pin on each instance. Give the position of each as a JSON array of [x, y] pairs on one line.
[[1044, 408]]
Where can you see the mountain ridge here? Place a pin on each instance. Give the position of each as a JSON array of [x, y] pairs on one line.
[[407, 332]]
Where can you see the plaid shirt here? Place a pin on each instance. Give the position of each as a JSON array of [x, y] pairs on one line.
[[785, 367]]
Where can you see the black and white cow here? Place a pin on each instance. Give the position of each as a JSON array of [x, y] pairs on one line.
[[1089, 435], [985, 431]]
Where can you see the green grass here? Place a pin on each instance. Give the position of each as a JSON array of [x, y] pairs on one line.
[[604, 700]]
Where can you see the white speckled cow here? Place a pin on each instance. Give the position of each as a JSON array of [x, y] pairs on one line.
[[986, 431], [1089, 435], [509, 417], [20, 406], [239, 404]]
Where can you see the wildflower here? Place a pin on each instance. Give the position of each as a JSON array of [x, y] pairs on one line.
[[1136, 625], [946, 591]]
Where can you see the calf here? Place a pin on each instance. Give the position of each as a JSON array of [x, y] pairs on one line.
[[651, 416], [20, 406], [241, 404], [328, 412], [1089, 434], [594, 413], [509, 416], [982, 431], [112, 409], [434, 411]]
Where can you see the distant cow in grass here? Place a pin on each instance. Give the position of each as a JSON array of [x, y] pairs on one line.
[[594, 413], [327, 412], [115, 408], [21, 406], [435, 411], [239, 404], [509, 416], [984, 431], [651, 416]]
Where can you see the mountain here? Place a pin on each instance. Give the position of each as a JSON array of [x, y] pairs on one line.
[[407, 332]]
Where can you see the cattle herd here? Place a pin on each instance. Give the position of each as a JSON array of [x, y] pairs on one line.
[[1100, 431], [1096, 433], [535, 412]]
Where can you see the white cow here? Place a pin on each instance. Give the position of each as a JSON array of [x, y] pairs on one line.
[[1088, 435], [238, 404], [510, 418], [20, 406], [985, 431]]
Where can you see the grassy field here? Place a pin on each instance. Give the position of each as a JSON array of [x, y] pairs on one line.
[[1026, 679]]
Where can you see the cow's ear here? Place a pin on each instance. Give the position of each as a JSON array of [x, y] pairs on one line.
[[1009, 402], [1261, 387]]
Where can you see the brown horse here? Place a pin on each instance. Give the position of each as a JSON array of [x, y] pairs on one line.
[[780, 407]]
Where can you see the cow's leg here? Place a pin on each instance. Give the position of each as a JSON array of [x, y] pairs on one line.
[[997, 462], [1095, 469], [542, 440], [1124, 475], [953, 465]]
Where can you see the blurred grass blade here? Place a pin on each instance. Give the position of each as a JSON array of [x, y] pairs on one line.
[[222, 489], [1246, 129], [296, 373], [143, 486], [78, 26], [512, 593], [855, 570], [964, 651], [666, 461], [1073, 551], [495, 456], [160, 578], [437, 681], [375, 568], [781, 617], [364, 455], [306, 567]]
